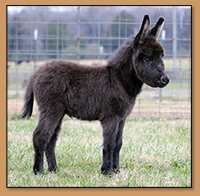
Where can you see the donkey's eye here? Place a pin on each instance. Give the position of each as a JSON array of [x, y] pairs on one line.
[[148, 59]]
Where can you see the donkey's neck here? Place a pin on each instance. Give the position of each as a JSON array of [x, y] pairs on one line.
[[121, 62]]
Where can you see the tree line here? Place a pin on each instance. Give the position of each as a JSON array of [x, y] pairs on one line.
[[82, 30]]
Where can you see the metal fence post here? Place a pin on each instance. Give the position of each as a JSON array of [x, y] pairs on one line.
[[78, 35], [174, 22], [16, 63], [35, 46]]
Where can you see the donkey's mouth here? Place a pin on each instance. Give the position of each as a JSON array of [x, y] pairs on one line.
[[164, 80]]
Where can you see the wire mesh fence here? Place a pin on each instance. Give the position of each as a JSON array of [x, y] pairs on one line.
[[89, 35]]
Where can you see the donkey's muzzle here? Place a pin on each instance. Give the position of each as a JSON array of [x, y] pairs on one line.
[[164, 80]]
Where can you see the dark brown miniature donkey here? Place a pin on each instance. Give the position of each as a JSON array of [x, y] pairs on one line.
[[105, 93]]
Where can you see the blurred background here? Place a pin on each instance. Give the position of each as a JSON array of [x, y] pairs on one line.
[[89, 35]]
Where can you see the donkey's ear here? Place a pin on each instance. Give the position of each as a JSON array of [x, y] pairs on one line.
[[155, 31], [143, 30]]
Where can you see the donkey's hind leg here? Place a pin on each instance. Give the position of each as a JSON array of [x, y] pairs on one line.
[[39, 145], [41, 137], [50, 150]]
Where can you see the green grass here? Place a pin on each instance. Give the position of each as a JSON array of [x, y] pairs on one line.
[[154, 154]]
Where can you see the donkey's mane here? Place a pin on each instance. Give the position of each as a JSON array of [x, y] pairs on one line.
[[122, 56]]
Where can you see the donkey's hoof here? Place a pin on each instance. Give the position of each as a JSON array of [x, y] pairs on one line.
[[36, 172], [107, 171], [53, 169]]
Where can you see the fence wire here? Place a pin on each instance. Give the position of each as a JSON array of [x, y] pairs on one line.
[[89, 35]]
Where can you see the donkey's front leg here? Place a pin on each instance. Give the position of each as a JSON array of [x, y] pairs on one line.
[[118, 147], [110, 129]]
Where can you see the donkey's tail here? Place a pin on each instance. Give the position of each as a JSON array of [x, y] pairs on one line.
[[28, 101]]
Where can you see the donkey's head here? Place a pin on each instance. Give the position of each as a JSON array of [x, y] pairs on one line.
[[148, 53]]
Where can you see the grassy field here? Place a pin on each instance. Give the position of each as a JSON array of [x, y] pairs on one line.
[[154, 154]]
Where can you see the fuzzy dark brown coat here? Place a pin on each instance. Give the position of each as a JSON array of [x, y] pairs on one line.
[[105, 93]]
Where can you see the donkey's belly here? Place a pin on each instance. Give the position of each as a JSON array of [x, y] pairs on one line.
[[80, 113], [83, 109]]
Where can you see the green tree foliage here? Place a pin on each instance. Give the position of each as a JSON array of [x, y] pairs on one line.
[[122, 26]]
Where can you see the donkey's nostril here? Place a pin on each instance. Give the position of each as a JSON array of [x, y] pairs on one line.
[[164, 80]]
